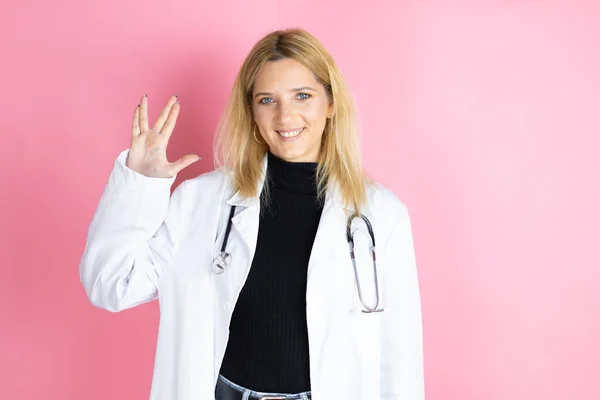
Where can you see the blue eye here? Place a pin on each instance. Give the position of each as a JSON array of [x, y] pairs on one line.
[[304, 94], [262, 101]]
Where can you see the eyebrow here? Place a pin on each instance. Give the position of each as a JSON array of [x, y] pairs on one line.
[[300, 89]]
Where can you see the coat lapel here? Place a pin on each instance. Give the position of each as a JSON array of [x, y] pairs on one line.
[[331, 230], [246, 218]]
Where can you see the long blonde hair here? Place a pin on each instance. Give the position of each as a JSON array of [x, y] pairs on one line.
[[339, 159]]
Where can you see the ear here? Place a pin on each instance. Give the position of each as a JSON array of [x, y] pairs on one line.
[[330, 111]]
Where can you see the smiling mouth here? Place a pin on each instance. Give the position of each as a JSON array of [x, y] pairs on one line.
[[290, 134]]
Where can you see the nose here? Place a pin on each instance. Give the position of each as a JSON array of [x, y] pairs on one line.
[[284, 113]]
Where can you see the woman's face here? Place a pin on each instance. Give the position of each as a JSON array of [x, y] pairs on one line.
[[290, 108]]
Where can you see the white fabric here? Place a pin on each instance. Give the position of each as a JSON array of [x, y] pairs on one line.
[[144, 244]]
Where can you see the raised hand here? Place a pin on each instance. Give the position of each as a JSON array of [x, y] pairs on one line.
[[148, 150]]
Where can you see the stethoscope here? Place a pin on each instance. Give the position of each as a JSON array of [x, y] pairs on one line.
[[223, 260], [350, 238]]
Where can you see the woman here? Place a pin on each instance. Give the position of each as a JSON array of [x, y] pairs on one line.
[[251, 262]]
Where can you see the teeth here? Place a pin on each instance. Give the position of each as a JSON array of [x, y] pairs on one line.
[[291, 133]]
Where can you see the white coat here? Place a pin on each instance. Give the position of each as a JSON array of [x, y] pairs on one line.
[[144, 244]]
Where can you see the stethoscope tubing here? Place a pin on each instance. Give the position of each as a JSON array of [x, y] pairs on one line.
[[223, 260]]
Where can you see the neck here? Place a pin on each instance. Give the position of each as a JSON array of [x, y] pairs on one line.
[[298, 177]]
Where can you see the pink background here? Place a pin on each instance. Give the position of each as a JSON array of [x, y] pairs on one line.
[[483, 118]]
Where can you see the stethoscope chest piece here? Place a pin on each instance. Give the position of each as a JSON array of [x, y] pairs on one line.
[[221, 262]]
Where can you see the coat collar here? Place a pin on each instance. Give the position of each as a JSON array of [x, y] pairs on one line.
[[333, 197]]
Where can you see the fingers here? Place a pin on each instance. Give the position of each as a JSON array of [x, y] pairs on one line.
[[144, 114], [160, 122], [183, 162], [136, 122], [169, 124]]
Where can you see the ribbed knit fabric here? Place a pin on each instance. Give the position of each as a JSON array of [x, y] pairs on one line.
[[268, 341]]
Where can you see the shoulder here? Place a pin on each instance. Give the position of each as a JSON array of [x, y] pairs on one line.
[[208, 185], [382, 200], [386, 210], [210, 179]]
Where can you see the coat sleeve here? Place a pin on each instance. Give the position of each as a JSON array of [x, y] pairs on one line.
[[402, 332], [132, 237]]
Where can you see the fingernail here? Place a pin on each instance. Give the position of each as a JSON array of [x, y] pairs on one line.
[[145, 95], [176, 96]]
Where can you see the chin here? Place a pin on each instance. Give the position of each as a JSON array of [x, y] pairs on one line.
[[298, 155]]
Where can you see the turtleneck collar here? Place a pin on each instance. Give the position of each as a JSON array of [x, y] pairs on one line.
[[296, 177]]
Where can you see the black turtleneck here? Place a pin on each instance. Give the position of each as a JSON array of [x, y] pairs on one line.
[[268, 339]]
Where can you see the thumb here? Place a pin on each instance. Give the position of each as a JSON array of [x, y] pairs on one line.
[[184, 162]]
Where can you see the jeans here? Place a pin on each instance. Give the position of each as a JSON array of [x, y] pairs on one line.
[[247, 392]]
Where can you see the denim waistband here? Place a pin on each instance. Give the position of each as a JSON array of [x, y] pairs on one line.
[[247, 392]]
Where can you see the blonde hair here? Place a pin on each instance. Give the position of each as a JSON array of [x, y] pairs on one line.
[[339, 159]]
